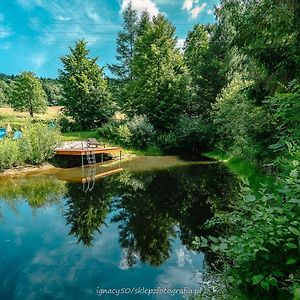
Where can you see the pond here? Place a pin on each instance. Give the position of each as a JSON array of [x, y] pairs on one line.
[[64, 236]]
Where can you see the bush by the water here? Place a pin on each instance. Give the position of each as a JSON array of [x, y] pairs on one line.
[[190, 133], [38, 142], [9, 153], [35, 147], [137, 132], [66, 124]]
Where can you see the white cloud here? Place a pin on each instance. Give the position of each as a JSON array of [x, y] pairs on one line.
[[188, 4], [142, 5], [92, 14], [29, 4], [180, 44], [62, 18], [38, 60], [192, 7], [197, 10], [5, 32], [210, 11]]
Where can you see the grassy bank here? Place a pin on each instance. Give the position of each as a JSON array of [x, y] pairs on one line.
[[245, 170]]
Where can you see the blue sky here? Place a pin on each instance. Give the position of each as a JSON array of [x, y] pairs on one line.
[[35, 33]]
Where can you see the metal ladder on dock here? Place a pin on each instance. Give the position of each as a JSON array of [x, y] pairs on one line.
[[91, 158], [89, 184], [91, 172]]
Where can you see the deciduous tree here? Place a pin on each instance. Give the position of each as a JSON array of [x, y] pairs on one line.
[[28, 95]]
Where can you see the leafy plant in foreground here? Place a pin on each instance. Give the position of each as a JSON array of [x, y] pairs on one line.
[[9, 153], [262, 242], [37, 143]]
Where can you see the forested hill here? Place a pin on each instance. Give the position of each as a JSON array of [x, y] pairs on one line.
[[51, 87], [6, 77]]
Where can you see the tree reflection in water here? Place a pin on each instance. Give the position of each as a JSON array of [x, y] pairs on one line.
[[86, 211], [38, 191], [151, 208], [155, 206]]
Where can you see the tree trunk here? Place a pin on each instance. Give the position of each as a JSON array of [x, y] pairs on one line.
[[31, 111]]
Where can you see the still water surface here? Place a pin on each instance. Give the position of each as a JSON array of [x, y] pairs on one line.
[[61, 238]]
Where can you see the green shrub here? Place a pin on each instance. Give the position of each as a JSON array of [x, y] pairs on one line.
[[9, 154], [109, 131], [66, 124], [191, 132], [241, 126], [142, 132], [286, 111], [38, 142], [262, 242], [136, 132], [124, 135], [153, 150]]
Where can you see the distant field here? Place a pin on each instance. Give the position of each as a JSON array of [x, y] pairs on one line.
[[9, 116], [52, 111]]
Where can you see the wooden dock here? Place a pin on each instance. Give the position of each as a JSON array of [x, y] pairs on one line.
[[86, 151]]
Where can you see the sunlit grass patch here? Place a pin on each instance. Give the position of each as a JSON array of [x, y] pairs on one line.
[[20, 119]]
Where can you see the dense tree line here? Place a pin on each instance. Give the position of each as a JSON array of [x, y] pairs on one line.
[[51, 87]]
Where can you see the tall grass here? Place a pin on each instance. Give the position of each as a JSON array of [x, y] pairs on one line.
[[35, 147], [9, 154], [38, 143]]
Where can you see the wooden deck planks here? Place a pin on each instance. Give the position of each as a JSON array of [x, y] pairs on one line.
[[79, 151]]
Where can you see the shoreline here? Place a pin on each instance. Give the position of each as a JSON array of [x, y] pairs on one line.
[[32, 169], [27, 169]]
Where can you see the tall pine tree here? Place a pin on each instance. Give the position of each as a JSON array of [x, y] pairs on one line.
[[202, 60], [86, 96], [159, 88], [125, 44]]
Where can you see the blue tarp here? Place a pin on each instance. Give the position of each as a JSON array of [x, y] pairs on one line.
[[2, 133], [17, 135]]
